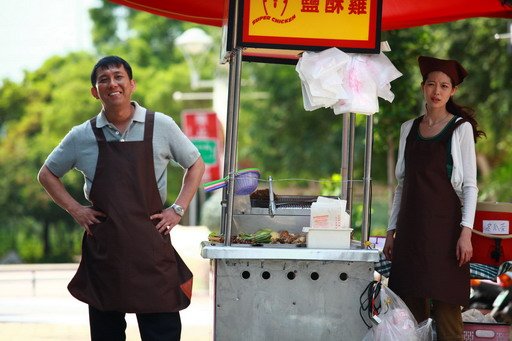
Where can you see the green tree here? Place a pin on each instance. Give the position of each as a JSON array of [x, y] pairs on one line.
[[278, 136], [489, 91], [52, 102]]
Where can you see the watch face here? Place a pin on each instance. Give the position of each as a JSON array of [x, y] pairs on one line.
[[178, 209]]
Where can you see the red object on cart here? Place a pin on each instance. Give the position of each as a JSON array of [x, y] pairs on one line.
[[492, 240]]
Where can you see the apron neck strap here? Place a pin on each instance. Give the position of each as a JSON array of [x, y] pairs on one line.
[[148, 127], [100, 137]]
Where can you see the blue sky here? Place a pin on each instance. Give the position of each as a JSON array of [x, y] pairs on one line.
[[33, 30]]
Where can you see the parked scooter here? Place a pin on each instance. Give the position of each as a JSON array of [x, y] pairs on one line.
[[502, 305], [483, 294], [494, 298]]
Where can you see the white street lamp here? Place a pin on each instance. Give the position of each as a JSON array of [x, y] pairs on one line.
[[194, 43]]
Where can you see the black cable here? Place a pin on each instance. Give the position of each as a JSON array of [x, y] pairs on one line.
[[370, 304]]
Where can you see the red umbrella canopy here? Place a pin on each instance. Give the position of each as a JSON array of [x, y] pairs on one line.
[[396, 14]]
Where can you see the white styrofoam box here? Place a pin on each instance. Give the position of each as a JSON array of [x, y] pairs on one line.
[[328, 238]]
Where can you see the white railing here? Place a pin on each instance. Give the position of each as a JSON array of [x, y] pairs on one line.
[[26, 279]]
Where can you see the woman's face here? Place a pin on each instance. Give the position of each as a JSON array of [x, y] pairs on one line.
[[437, 89]]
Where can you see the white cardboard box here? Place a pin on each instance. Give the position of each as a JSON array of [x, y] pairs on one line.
[[329, 213], [328, 238]]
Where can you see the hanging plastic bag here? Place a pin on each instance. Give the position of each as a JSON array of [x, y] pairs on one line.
[[395, 321], [321, 75]]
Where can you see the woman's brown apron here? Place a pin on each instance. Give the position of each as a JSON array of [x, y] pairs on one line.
[[428, 227], [127, 265]]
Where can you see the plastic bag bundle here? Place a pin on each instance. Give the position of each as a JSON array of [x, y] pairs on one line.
[[395, 321], [345, 82], [321, 77], [367, 77]]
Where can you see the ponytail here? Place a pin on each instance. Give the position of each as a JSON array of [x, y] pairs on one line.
[[466, 113]]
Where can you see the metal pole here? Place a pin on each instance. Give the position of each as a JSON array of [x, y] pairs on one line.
[[192, 211], [350, 178], [367, 181], [227, 155], [344, 156], [347, 160], [235, 73]]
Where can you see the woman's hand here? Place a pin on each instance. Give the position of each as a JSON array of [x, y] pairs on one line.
[[388, 245], [464, 247]]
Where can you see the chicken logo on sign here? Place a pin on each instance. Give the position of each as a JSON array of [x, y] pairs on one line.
[[275, 12], [275, 8]]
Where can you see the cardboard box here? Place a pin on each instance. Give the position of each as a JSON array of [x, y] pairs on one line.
[[328, 238], [494, 220], [329, 213], [486, 331]]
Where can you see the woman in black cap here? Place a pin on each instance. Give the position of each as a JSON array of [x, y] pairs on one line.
[[429, 232]]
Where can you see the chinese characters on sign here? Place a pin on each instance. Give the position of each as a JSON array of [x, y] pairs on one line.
[[357, 7], [288, 24], [495, 227]]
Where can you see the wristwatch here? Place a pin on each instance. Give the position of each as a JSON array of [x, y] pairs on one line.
[[178, 209]]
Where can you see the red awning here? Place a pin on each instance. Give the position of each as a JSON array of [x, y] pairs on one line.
[[396, 14]]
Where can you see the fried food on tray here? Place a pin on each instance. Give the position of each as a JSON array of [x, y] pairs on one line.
[[262, 236]]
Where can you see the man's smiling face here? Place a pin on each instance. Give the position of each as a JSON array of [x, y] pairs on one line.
[[113, 86]]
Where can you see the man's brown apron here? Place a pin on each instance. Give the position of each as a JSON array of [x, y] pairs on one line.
[[428, 227], [127, 265]]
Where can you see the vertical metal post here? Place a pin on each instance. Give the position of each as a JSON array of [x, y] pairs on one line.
[[347, 160], [344, 156], [235, 75], [367, 181], [192, 211], [227, 155], [350, 178]]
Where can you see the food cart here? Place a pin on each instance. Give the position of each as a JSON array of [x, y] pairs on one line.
[[285, 291]]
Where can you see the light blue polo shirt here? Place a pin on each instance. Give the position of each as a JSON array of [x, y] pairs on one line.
[[79, 149]]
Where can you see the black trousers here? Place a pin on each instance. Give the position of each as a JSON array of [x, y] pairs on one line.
[[111, 326]]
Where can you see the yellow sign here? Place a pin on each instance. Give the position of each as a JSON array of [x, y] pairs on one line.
[[346, 24]]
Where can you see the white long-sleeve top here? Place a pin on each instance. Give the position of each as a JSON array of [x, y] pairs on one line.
[[463, 174]]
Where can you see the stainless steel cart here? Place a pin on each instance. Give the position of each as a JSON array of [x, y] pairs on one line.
[[286, 292]]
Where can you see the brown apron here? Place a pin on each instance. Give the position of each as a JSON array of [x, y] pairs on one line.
[[428, 227], [127, 265]]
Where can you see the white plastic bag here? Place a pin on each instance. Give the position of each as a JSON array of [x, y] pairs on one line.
[[321, 75], [397, 322]]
